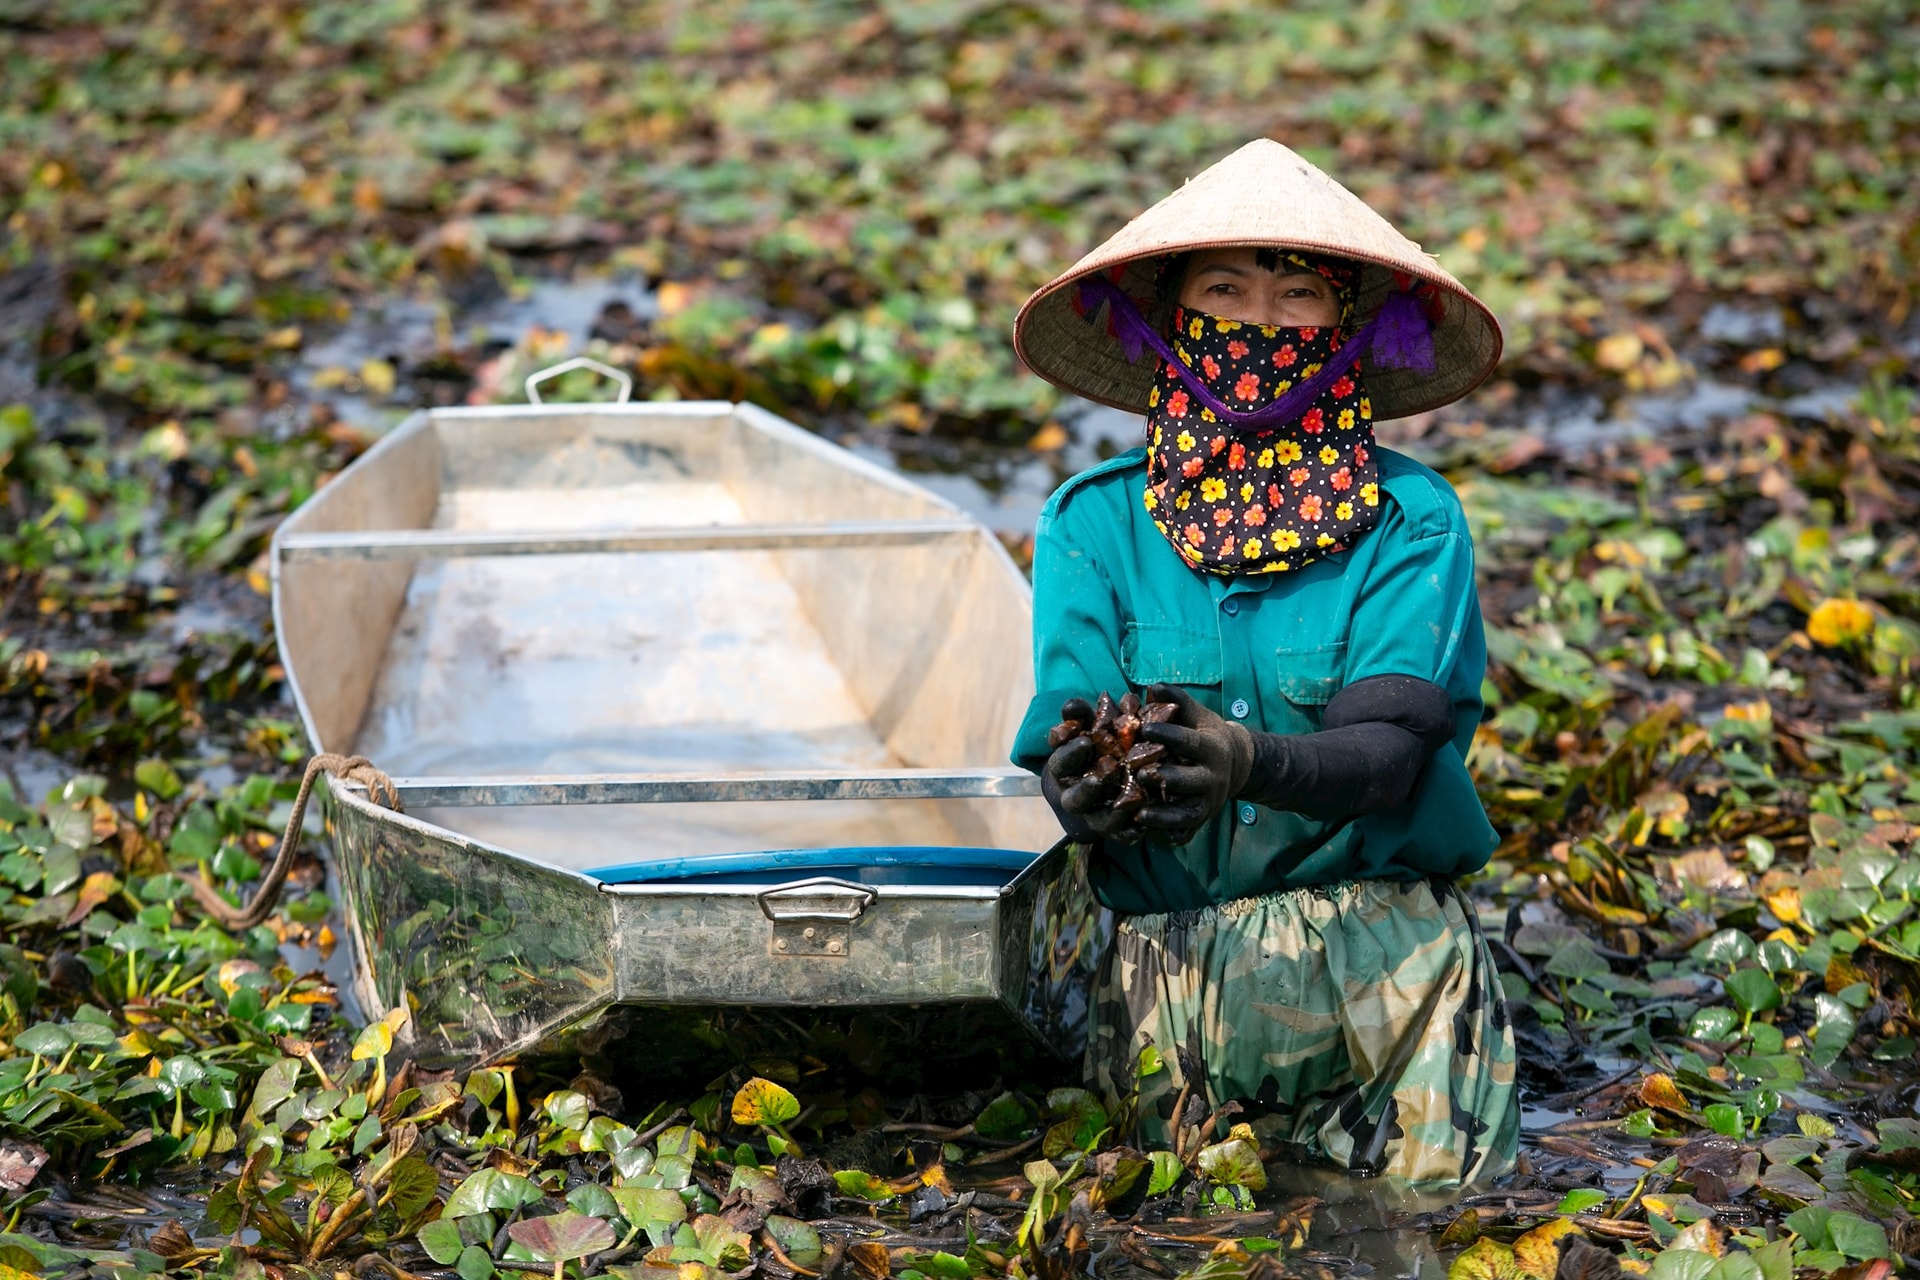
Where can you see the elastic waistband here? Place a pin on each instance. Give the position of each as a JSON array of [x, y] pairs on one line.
[[1234, 909]]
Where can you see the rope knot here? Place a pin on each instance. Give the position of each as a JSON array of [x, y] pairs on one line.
[[356, 769]]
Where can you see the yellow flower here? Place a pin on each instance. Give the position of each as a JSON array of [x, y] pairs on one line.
[[1344, 511], [1212, 489], [1324, 540], [1268, 331], [1329, 454], [1346, 419], [1181, 351], [1265, 459], [1181, 499], [1370, 494], [1152, 502], [1251, 549], [1366, 408], [1288, 452], [1837, 623], [1153, 398], [1281, 387], [1286, 540], [1206, 415], [1224, 326], [1246, 493], [1184, 440], [1194, 330], [1310, 370]]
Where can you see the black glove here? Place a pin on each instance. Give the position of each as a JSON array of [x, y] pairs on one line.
[[1079, 800], [1208, 761], [1375, 738]]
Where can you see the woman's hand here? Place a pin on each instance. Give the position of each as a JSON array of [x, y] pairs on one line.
[[1210, 759], [1079, 798]]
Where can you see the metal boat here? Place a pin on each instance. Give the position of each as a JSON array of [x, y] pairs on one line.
[[684, 705]]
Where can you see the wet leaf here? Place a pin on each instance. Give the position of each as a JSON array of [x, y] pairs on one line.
[[1725, 949], [44, 1038], [158, 777], [650, 1206], [1717, 1023], [1752, 991], [1578, 961], [714, 1241], [1233, 1163], [277, 1084], [563, 1236], [1537, 1253], [797, 1239], [567, 1109], [762, 1102], [1834, 1025], [1166, 1172], [1857, 1238], [19, 1163], [441, 1239], [1658, 1090], [474, 1263], [1462, 1231], [490, 1189], [374, 1041], [1485, 1259], [1079, 1121], [1007, 1118], [412, 1184], [1581, 1199], [861, 1185], [1682, 1264], [1724, 1118]]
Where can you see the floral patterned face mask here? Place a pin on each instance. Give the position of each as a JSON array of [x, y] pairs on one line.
[[1269, 499]]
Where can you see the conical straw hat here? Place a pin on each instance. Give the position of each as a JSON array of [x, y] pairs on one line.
[[1263, 194]]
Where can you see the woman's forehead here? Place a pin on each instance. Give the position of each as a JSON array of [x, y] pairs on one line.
[[1245, 258]]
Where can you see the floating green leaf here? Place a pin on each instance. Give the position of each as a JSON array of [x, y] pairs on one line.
[[650, 1206], [797, 1239], [563, 1236], [861, 1185], [1752, 991], [1233, 1163], [762, 1102]]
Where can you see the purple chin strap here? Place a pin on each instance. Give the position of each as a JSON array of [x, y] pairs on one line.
[[1396, 338]]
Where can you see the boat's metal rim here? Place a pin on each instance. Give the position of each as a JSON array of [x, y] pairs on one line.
[[357, 797], [512, 791]]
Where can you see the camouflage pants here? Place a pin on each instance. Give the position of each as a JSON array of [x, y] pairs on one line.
[[1361, 1021]]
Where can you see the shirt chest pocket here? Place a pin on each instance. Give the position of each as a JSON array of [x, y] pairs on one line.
[[1308, 677], [1157, 653]]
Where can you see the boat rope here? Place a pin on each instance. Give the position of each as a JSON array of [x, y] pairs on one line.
[[348, 769]]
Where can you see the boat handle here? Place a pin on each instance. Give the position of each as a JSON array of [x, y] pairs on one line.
[[553, 371], [863, 897]]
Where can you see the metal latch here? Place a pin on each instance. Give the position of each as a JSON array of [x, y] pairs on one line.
[[814, 917]]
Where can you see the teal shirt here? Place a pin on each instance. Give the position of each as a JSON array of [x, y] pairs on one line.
[[1115, 608]]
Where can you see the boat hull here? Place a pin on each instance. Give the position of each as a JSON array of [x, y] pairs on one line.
[[686, 707]]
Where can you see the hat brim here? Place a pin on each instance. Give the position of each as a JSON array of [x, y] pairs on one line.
[[1295, 206]]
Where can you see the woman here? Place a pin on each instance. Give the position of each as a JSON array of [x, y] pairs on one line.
[[1289, 925]]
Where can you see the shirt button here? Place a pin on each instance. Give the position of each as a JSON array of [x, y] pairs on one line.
[[1240, 708], [1230, 607], [1248, 814]]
